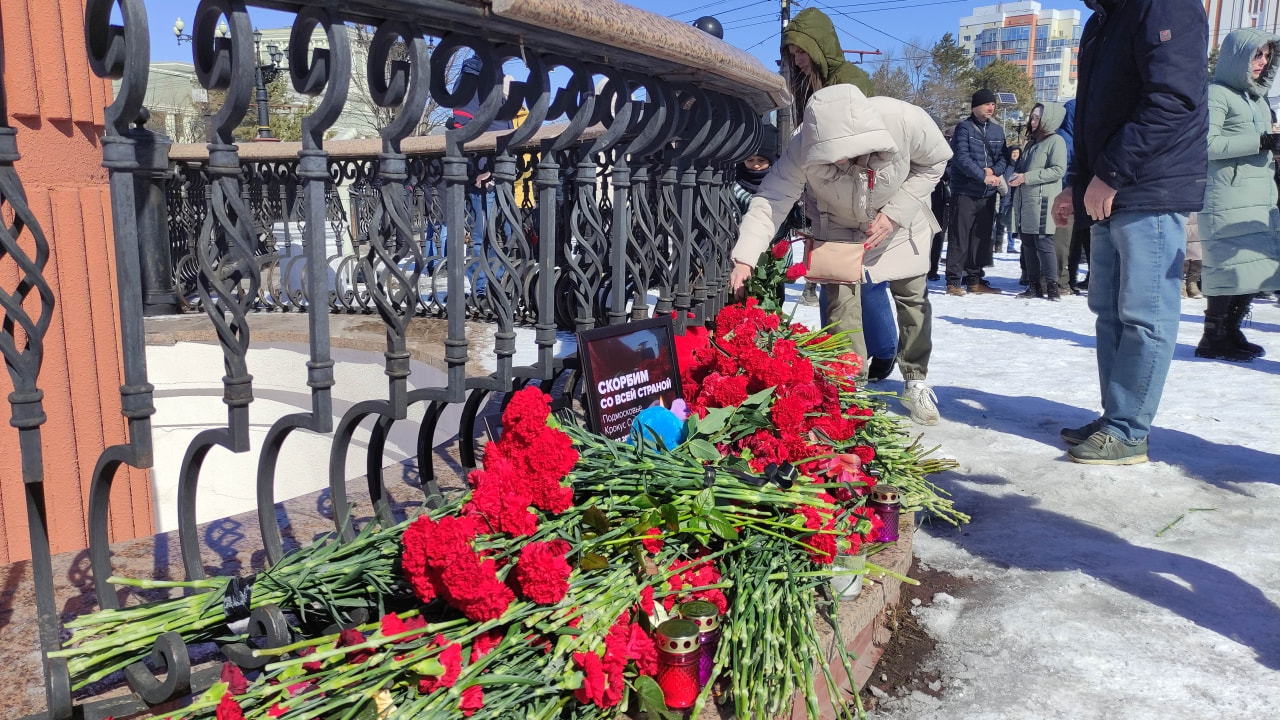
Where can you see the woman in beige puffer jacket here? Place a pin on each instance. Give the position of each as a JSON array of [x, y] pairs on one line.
[[845, 140]]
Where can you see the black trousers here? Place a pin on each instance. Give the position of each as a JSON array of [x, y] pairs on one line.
[[1041, 261], [1079, 251], [935, 252], [970, 233]]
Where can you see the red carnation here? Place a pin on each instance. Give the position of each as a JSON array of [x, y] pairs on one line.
[[451, 658], [595, 682], [865, 453], [439, 561], [653, 541], [472, 700], [501, 497], [527, 409], [641, 648], [484, 644], [350, 638], [391, 625], [313, 665], [234, 678], [646, 599], [780, 249], [721, 391], [228, 709], [796, 271], [542, 575]]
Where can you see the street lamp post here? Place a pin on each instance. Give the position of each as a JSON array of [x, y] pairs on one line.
[[179, 26], [222, 30], [264, 116]]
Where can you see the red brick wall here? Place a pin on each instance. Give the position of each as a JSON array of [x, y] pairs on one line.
[[56, 105]]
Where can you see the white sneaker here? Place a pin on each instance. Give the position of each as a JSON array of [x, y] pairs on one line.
[[918, 397]]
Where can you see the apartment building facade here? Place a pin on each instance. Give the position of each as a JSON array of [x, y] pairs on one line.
[[1044, 43], [1227, 15]]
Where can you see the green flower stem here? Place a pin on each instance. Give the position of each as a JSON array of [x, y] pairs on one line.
[[877, 570]]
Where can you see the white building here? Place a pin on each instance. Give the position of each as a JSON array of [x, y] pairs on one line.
[[175, 96], [1227, 15], [1044, 43]]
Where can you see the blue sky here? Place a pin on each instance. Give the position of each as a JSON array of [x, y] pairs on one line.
[[752, 24]]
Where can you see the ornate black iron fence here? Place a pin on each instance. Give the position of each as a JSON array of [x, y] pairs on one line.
[[624, 212]]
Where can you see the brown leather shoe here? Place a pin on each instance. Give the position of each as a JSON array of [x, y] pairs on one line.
[[980, 289], [956, 290]]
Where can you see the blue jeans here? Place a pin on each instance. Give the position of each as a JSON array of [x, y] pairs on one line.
[[478, 204], [879, 330], [1135, 289]]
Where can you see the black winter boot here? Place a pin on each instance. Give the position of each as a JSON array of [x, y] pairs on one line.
[[1051, 291], [1032, 291], [1217, 343], [1237, 311]]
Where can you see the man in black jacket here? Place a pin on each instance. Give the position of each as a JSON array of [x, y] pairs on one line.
[[1139, 167], [976, 169]]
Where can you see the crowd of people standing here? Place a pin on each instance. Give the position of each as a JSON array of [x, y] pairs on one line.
[[1115, 175]]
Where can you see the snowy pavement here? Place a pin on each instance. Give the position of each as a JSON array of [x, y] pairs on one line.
[[1080, 609]]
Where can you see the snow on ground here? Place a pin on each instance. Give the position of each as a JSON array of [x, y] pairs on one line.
[[1081, 611]]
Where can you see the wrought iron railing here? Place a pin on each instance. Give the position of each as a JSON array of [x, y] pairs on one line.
[[626, 213]]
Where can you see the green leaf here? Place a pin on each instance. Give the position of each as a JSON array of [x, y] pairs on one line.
[[597, 519], [691, 425], [714, 421], [705, 502], [644, 501], [671, 517], [592, 561], [652, 700], [760, 399], [720, 525], [703, 450]]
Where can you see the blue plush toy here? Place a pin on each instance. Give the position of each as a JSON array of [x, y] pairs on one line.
[[657, 424]]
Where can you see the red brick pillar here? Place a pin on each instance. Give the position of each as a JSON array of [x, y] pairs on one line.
[[56, 105]]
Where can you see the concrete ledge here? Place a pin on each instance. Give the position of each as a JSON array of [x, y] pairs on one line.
[[864, 623]]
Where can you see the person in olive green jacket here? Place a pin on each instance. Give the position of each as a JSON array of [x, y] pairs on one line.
[[1037, 180], [812, 50], [1240, 222]]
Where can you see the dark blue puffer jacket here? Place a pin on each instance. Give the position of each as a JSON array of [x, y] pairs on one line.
[[1068, 131], [976, 147], [1142, 107]]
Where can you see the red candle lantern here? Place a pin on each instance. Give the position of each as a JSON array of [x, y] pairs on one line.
[[679, 653]]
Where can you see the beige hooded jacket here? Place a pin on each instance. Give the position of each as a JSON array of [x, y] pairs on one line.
[[844, 135]]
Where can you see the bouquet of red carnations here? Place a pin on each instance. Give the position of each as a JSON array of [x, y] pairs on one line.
[[536, 594]]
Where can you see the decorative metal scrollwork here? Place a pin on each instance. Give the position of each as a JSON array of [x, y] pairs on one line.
[[327, 71], [394, 258], [225, 249]]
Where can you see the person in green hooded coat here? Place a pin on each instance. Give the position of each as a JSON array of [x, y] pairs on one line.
[[1037, 180], [1240, 225]]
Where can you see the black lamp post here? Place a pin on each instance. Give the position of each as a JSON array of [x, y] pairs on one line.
[[264, 119]]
